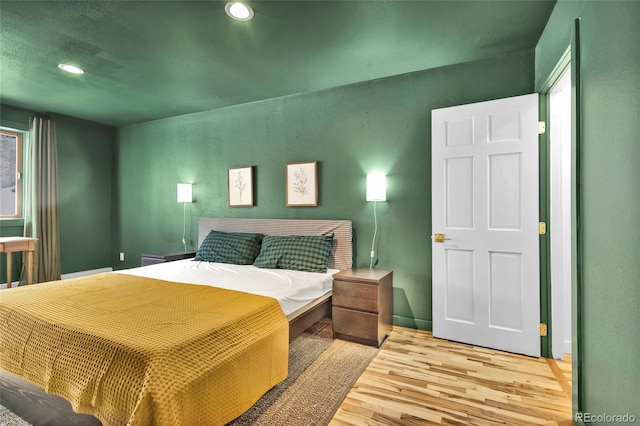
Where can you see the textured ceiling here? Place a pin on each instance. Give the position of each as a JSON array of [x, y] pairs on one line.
[[146, 60]]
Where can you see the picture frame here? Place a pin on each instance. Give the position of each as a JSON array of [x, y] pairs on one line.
[[240, 183], [302, 184]]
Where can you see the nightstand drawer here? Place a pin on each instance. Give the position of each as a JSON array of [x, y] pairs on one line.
[[363, 325], [355, 296]]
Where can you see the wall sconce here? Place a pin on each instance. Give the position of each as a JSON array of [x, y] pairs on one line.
[[376, 191], [376, 187], [185, 195]]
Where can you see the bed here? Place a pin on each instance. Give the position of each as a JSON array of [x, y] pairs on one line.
[[175, 347]]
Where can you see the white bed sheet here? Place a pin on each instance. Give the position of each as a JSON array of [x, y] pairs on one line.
[[292, 289]]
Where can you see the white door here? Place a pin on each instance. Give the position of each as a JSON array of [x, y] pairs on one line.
[[486, 287]]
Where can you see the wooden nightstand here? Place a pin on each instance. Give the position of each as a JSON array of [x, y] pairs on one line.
[[164, 256], [363, 305]]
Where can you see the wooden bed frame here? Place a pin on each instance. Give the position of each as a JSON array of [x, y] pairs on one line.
[[36, 406]]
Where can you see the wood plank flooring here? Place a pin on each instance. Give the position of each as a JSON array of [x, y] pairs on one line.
[[417, 379]]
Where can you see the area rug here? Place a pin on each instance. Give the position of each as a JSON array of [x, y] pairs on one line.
[[321, 373], [316, 395], [7, 418]]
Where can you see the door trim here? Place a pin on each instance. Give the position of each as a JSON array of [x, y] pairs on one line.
[[576, 368], [571, 56], [545, 204]]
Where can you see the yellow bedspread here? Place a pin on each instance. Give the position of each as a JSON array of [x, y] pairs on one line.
[[139, 351]]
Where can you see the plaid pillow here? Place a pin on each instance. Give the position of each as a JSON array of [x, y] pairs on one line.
[[230, 247], [297, 252]]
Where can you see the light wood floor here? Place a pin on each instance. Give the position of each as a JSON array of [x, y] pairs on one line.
[[417, 379]]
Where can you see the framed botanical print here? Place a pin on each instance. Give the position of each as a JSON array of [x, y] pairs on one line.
[[241, 187], [302, 184]]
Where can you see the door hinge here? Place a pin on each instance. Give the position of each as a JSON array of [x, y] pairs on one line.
[[543, 329], [542, 228], [542, 127]]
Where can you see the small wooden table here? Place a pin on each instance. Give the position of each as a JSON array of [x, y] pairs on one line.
[[9, 245]]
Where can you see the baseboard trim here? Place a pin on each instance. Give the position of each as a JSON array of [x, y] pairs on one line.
[[88, 272], [413, 323], [69, 275]]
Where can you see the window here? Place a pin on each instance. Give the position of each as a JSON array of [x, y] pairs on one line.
[[10, 174]]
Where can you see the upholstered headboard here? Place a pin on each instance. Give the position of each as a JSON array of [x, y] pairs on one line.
[[341, 251]]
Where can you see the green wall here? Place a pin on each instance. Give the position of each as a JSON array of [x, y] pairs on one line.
[[610, 195], [382, 125], [85, 166]]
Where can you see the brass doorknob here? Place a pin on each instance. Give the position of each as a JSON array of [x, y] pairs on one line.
[[439, 238]]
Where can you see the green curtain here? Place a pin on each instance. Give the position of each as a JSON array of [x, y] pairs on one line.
[[41, 200]]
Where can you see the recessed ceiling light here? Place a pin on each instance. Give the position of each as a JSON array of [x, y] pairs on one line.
[[70, 68], [239, 11]]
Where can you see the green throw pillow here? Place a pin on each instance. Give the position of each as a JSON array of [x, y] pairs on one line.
[[230, 247], [297, 252]]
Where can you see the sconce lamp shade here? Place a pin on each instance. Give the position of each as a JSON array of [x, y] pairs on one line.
[[376, 187], [185, 194]]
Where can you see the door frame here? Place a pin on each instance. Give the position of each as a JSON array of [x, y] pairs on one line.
[[558, 230], [545, 201], [570, 57]]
